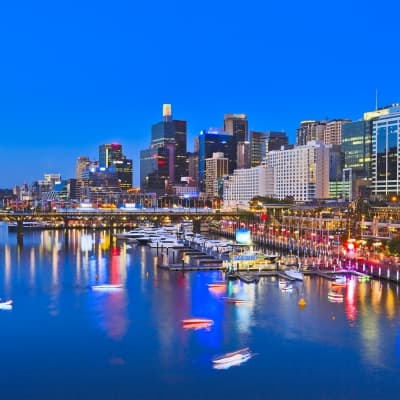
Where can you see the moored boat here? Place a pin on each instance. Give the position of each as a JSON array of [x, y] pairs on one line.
[[233, 357], [216, 285], [335, 296], [232, 300], [6, 305], [107, 286], [197, 323], [295, 274], [287, 288]]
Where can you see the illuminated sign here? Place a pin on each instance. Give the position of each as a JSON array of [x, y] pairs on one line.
[[243, 236]]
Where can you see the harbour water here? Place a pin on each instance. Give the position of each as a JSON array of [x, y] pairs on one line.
[[63, 340]]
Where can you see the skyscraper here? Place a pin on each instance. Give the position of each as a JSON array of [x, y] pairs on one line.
[[216, 167], [310, 130], [214, 141], [111, 157], [168, 145], [385, 153], [236, 125], [81, 164], [333, 131], [262, 142]]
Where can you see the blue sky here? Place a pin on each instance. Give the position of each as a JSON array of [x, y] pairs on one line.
[[75, 74]]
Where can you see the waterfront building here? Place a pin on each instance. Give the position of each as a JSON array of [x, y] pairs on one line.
[[357, 154], [262, 142], [211, 141], [333, 131], [310, 130], [301, 173], [100, 185], [385, 152], [244, 184], [216, 167]]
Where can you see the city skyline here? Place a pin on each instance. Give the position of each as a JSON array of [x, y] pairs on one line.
[[74, 78]]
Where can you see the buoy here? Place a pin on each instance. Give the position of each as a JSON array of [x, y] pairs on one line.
[[302, 302]]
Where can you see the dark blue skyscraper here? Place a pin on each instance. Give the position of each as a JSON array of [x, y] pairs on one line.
[[165, 162], [213, 141]]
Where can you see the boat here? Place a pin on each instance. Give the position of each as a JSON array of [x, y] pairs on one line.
[[216, 285], [6, 305], [232, 300], [235, 357], [295, 274], [363, 278], [197, 323], [335, 296], [287, 288], [340, 279], [107, 286], [29, 225]]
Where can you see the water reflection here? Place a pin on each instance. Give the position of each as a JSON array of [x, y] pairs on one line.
[[366, 323]]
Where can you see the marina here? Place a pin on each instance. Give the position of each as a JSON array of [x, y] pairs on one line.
[[287, 323]]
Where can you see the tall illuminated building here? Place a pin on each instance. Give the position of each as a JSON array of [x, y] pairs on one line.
[[215, 141], [166, 159], [111, 157], [216, 167], [385, 153]]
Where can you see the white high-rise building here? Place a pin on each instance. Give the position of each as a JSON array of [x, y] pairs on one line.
[[216, 167], [301, 172], [245, 184]]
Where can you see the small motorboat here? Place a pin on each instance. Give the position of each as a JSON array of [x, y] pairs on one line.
[[107, 286], [340, 279], [335, 296], [6, 305], [337, 286], [216, 285], [294, 274], [287, 288], [233, 300], [233, 358], [197, 323]]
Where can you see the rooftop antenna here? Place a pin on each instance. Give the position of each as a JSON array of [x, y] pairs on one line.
[[376, 99]]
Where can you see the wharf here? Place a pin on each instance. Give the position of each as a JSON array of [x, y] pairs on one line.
[[190, 267], [326, 275]]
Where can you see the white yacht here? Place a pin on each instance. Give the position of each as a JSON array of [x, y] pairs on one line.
[[295, 274]]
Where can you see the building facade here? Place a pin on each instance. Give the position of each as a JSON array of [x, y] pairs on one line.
[[215, 141], [244, 184], [168, 147], [333, 131], [262, 142], [310, 130], [301, 173], [385, 153], [216, 167]]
